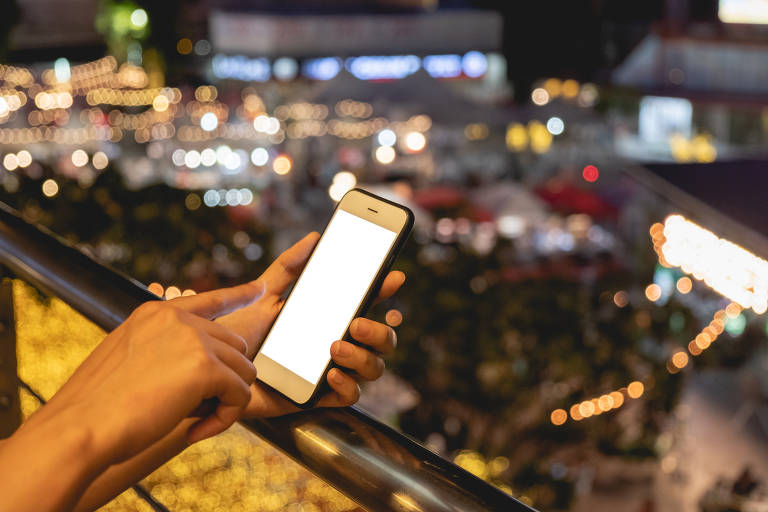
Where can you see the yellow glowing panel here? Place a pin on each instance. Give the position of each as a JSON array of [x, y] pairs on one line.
[[234, 471]]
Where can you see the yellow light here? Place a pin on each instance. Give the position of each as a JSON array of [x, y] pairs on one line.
[[732, 310], [415, 141], [540, 138], [680, 359], [684, 284], [282, 165], [161, 103], [79, 158], [570, 89], [635, 389], [605, 403], [575, 414], [156, 288], [618, 399], [172, 292], [693, 348], [621, 298], [540, 96], [558, 416], [517, 137], [188, 292], [385, 154], [50, 188], [553, 86], [653, 292], [586, 408]]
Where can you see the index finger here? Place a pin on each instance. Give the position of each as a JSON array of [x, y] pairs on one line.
[[222, 301]]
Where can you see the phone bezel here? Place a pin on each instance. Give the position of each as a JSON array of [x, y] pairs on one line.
[[376, 210]]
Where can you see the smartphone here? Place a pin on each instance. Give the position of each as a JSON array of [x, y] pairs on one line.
[[339, 282]]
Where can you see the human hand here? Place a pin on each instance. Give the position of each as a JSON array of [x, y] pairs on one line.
[[156, 368], [365, 362]]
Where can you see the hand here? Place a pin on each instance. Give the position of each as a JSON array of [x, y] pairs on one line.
[[157, 367], [253, 323]]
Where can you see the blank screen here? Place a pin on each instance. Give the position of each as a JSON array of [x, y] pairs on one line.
[[327, 295]]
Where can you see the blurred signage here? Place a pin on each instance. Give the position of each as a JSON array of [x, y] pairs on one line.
[[440, 32], [743, 11], [661, 118]]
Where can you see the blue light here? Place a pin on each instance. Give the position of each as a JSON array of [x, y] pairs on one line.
[[242, 68], [383, 68], [475, 64], [443, 66], [321, 69]]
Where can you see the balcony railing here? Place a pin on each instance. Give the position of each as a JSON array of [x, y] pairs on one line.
[[371, 463]]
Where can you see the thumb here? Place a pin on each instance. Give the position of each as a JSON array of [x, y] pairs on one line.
[[222, 301]]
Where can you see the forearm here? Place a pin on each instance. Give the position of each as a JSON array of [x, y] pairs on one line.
[[48, 463], [119, 477]]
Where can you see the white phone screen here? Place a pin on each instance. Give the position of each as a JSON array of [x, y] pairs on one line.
[[327, 295]]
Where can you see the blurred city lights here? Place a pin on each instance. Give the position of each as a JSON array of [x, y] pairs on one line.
[[343, 182], [285, 68], [208, 157], [11, 162], [383, 67], [516, 137], [209, 121], [79, 158], [192, 159], [415, 141], [24, 158], [590, 173], [621, 298], [653, 292], [322, 69], [735, 326], [540, 96], [474, 64], [385, 154], [282, 165], [635, 389], [50, 188], [724, 266], [100, 160], [684, 285], [443, 66], [172, 292], [139, 18], [259, 157], [184, 46], [387, 137], [558, 416], [241, 68], [555, 125], [61, 70], [156, 288]]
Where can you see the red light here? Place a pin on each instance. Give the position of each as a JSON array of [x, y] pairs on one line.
[[590, 173]]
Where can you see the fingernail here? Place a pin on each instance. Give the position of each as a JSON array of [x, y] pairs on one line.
[[339, 349], [361, 327]]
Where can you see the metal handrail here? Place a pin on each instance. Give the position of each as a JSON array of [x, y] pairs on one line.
[[371, 463]]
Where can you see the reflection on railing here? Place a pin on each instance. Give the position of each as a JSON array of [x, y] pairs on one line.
[[369, 462]]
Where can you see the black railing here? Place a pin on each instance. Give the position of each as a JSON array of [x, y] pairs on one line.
[[371, 463]]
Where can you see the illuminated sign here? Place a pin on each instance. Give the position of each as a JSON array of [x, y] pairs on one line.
[[239, 67], [724, 266], [660, 118], [743, 11]]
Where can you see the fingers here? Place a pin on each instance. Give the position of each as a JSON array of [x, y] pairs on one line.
[[219, 331], [379, 337], [222, 301], [236, 361], [345, 391], [287, 267], [391, 284], [216, 423], [364, 362]]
